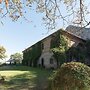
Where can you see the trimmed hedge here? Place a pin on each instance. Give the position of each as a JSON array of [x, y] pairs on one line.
[[71, 76]]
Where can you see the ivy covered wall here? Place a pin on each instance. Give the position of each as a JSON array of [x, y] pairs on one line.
[[61, 52], [64, 53], [59, 46], [31, 55]]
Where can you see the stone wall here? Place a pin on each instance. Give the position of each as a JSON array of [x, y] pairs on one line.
[[47, 55]]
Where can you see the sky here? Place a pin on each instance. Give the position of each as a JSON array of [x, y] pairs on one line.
[[19, 35]]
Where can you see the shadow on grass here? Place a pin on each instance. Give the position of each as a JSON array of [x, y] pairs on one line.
[[34, 79], [15, 67], [20, 82]]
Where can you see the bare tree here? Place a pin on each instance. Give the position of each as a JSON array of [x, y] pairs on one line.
[[69, 11]]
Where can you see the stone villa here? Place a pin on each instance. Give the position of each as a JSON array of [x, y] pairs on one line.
[[46, 58], [74, 36]]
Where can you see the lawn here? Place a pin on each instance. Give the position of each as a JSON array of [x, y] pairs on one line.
[[24, 78]]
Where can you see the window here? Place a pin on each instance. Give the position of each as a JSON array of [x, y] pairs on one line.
[[42, 46], [51, 60]]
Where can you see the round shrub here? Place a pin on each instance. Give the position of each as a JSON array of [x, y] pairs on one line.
[[71, 76]]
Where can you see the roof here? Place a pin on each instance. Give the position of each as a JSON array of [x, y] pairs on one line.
[[42, 40], [77, 32], [10, 60], [71, 35], [80, 32]]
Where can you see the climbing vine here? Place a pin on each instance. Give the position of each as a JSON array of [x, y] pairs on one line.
[[31, 55], [59, 46], [61, 52]]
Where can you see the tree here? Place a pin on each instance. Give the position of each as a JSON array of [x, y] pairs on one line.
[[2, 52], [17, 57], [70, 11]]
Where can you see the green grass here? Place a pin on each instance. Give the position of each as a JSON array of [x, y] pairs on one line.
[[24, 78]]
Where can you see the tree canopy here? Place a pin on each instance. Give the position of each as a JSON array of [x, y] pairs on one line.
[[2, 52], [17, 57], [67, 11]]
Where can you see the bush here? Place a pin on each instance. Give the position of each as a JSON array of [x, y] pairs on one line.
[[71, 76]]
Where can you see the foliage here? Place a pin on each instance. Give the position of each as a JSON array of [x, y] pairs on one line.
[[17, 57], [77, 53], [55, 42], [63, 53], [59, 47], [88, 48], [71, 76], [52, 9], [31, 55], [80, 52], [2, 52]]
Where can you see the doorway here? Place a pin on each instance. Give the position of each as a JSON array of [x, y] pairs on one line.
[[42, 62]]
